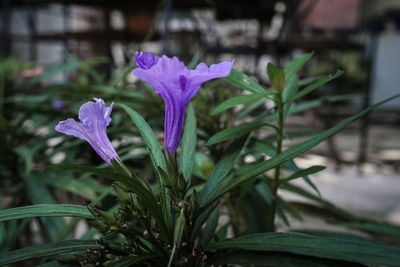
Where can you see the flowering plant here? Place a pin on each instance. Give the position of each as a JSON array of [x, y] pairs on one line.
[[176, 220]]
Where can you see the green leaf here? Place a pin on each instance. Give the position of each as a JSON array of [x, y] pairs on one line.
[[47, 250], [296, 150], [289, 91], [243, 81], [27, 154], [245, 258], [242, 99], [48, 210], [330, 234], [264, 191], [296, 64], [380, 228], [179, 228], [188, 144], [150, 139], [314, 103], [203, 165], [331, 248], [315, 85], [157, 158], [195, 59], [304, 172], [222, 169], [276, 77], [200, 220], [318, 102], [236, 131], [249, 108], [209, 230]]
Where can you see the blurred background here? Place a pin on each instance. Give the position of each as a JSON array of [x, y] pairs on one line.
[[56, 55]]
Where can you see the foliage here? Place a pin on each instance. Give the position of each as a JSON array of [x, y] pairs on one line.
[[169, 206]]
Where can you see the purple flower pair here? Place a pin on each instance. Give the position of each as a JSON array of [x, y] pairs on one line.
[[170, 78]]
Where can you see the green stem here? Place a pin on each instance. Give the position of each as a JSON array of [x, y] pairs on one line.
[[275, 183]]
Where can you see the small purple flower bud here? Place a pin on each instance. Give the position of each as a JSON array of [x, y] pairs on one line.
[[95, 117], [58, 105], [172, 80], [145, 60]]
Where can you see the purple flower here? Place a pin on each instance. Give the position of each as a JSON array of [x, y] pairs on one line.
[[172, 80], [95, 117], [58, 105]]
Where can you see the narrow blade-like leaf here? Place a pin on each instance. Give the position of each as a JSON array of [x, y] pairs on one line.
[[243, 81], [295, 65], [236, 131], [188, 143], [331, 248], [47, 250], [315, 85], [303, 172], [45, 210], [222, 169], [242, 99], [150, 139]]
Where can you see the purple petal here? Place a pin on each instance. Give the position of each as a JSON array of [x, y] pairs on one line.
[[171, 79], [164, 76], [202, 74], [95, 117], [173, 125], [71, 127], [145, 60]]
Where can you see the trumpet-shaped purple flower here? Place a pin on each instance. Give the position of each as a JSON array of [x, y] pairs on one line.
[[172, 80], [95, 117]]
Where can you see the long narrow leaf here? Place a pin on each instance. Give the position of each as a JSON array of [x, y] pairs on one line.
[[315, 85], [188, 143], [222, 169], [47, 250], [150, 139], [331, 248], [237, 131], [243, 81], [48, 210], [304, 172], [374, 227], [295, 65], [244, 258], [242, 99]]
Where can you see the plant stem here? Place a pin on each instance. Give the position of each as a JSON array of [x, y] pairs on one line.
[[172, 256], [275, 182]]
